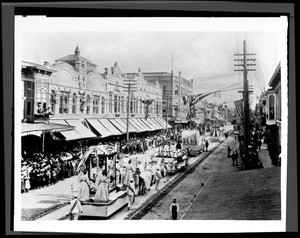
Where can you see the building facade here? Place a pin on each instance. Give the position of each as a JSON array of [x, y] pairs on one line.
[[175, 88], [273, 115], [92, 104]]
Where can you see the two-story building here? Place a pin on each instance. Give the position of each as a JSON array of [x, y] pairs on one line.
[[273, 115], [85, 105]]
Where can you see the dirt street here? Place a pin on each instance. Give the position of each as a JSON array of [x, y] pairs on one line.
[[184, 192]]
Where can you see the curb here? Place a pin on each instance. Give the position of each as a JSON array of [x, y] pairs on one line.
[[155, 198], [52, 209]]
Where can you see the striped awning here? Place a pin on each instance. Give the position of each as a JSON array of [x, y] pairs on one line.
[[113, 129], [102, 130]]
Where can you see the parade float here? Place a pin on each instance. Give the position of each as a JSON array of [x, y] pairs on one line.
[[173, 159], [193, 142], [95, 160]]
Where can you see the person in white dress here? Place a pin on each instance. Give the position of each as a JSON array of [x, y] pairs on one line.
[[84, 186]]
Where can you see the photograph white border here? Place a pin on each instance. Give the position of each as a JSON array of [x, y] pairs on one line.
[[42, 23]]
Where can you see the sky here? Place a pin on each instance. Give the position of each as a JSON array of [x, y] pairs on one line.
[[204, 55]]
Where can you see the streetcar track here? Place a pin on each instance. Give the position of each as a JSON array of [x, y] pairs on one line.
[[155, 198]]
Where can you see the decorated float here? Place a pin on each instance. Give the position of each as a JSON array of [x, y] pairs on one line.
[[192, 142], [97, 159]]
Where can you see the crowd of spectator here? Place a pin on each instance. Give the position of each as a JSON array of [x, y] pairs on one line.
[[43, 169]]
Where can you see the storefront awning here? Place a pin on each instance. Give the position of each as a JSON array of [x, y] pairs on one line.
[[136, 125], [141, 124], [71, 134], [152, 123], [121, 127], [38, 128], [81, 129], [140, 120], [44, 126], [131, 128], [156, 124], [148, 123], [99, 127], [163, 122], [109, 126]]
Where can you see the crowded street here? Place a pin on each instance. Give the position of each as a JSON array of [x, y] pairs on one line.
[[176, 125], [53, 202], [200, 197]]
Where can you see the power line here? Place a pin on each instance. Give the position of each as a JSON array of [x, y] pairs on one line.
[[213, 77]]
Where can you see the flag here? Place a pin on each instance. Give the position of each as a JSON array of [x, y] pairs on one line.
[[147, 102], [239, 110]]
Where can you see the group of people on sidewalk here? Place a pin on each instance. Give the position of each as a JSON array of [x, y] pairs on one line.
[[43, 169]]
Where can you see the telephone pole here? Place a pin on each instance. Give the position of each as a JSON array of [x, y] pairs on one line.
[[127, 120], [246, 121]]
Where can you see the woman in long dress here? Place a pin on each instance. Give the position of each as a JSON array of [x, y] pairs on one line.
[[84, 186], [102, 188], [129, 173]]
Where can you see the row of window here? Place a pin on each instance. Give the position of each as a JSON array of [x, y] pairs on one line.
[[116, 104]]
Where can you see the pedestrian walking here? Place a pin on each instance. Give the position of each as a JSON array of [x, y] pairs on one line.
[[228, 152], [76, 208], [174, 208], [234, 158], [130, 192], [206, 145], [157, 178], [259, 144]]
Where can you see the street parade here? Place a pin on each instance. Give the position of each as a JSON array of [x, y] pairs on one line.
[[120, 143]]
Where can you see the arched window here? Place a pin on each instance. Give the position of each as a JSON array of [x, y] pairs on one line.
[[103, 105], [96, 105], [81, 101], [122, 104], [141, 107], [88, 100], [64, 102], [110, 103], [53, 100], [271, 107], [74, 103], [119, 104], [115, 104], [176, 90]]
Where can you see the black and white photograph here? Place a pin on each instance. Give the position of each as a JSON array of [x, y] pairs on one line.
[[123, 125]]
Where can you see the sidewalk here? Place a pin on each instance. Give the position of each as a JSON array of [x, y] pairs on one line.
[[263, 155], [51, 202]]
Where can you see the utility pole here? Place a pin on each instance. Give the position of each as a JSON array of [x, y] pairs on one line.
[[167, 97], [246, 122], [128, 107]]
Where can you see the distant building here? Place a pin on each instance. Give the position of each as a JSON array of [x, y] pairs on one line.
[[175, 88]]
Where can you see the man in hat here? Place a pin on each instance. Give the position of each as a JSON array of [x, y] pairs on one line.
[[174, 209]]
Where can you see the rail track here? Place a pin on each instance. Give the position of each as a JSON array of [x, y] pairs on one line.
[[155, 198]]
